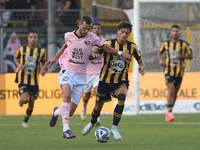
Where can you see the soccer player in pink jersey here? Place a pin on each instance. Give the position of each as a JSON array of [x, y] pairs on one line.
[[93, 72], [73, 60]]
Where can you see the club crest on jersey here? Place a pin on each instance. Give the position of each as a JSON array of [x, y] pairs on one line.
[[87, 42]]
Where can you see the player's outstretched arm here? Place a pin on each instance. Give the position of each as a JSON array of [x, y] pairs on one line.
[[112, 50], [141, 66], [43, 70], [50, 62], [178, 55]]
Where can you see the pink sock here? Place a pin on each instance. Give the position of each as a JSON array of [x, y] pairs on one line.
[[58, 112], [65, 109]]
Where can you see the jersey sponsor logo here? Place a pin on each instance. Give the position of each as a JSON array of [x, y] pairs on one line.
[[30, 65], [76, 62], [87, 42], [118, 65], [175, 61], [77, 53]]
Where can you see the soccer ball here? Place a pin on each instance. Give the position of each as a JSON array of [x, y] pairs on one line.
[[102, 134]]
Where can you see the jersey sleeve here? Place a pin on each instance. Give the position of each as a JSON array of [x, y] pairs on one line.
[[188, 49], [100, 51], [43, 59], [96, 40], [136, 53], [18, 53], [162, 48]]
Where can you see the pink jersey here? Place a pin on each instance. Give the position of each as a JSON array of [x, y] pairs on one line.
[[94, 66], [76, 56]]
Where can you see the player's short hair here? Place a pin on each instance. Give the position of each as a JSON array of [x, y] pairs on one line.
[[96, 23], [125, 24], [32, 31], [175, 26], [87, 19]]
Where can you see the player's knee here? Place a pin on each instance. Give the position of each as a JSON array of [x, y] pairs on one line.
[[98, 107], [121, 99]]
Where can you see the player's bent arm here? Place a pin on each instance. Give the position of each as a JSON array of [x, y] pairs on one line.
[[20, 66], [43, 70], [190, 56], [141, 66], [112, 50], [160, 61]]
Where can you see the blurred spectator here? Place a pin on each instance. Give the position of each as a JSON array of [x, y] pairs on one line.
[[40, 17], [5, 15], [21, 16], [117, 15], [69, 18]]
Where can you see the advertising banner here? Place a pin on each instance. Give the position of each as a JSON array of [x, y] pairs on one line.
[[153, 94]]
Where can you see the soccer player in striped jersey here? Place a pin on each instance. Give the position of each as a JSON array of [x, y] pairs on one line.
[[113, 78], [177, 51], [73, 60], [27, 59], [93, 72]]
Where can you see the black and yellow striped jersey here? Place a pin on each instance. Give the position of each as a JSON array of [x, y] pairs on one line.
[[175, 66], [31, 58], [115, 68]]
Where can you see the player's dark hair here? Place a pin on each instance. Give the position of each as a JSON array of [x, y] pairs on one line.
[[176, 26], [87, 19], [125, 24], [96, 23], [32, 31]]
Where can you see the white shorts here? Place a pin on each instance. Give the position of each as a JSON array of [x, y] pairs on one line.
[[76, 83], [92, 80]]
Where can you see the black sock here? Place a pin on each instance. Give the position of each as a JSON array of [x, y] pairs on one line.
[[95, 115], [119, 109], [170, 107], [28, 114]]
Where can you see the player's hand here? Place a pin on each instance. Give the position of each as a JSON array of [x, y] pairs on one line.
[[178, 55], [94, 55], [43, 71], [21, 67], [127, 57], [141, 70], [49, 63], [161, 62]]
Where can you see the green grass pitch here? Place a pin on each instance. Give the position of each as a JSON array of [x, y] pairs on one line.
[[141, 132]]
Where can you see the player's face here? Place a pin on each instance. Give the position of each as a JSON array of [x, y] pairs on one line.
[[175, 33], [84, 28], [32, 38], [97, 30], [123, 35]]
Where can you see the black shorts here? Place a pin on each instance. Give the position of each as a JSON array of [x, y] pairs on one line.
[[106, 90], [175, 80], [34, 90]]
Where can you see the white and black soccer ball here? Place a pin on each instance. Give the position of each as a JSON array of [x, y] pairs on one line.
[[102, 134]]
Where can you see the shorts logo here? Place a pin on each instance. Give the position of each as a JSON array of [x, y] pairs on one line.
[[21, 91], [167, 77], [65, 78]]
